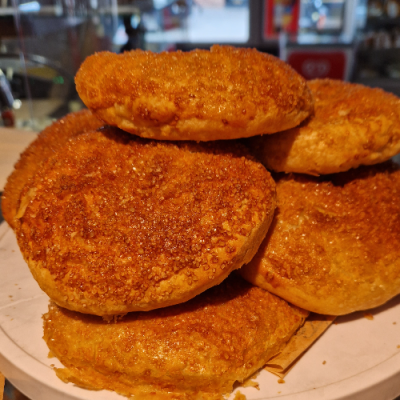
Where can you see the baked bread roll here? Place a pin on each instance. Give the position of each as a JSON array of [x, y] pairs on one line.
[[334, 245], [112, 223], [48, 141], [202, 95], [197, 349], [352, 125]]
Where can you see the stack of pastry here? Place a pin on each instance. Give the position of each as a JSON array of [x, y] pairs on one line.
[[135, 229]]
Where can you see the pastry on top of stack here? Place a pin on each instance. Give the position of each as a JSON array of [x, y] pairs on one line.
[[224, 93], [334, 245]]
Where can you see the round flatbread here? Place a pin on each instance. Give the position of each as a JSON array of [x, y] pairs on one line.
[[334, 245], [198, 349], [202, 95], [113, 223], [352, 125], [48, 141]]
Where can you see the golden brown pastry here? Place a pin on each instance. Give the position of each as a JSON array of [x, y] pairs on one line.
[[334, 245], [48, 141], [194, 350], [114, 223], [202, 95], [353, 125]]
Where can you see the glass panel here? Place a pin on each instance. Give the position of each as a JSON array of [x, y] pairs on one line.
[[43, 42]]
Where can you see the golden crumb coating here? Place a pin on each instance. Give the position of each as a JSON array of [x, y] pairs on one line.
[[334, 245], [48, 141], [202, 95], [114, 223], [353, 125], [194, 350]]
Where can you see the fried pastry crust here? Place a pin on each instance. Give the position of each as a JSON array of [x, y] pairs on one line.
[[353, 125], [202, 95], [48, 141], [114, 223], [334, 244], [194, 350]]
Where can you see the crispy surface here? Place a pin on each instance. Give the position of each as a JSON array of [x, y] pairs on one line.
[[195, 350], [113, 223], [48, 141], [353, 125], [201, 95], [334, 245]]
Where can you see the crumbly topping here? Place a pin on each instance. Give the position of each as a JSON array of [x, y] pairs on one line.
[[113, 217]]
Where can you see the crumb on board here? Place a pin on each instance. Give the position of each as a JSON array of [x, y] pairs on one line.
[[251, 383], [239, 396], [281, 381], [368, 316], [398, 346], [324, 362]]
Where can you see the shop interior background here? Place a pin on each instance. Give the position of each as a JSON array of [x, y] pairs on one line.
[[43, 42]]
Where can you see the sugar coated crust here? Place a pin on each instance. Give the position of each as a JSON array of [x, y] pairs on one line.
[[49, 140], [195, 350], [352, 125], [202, 95], [334, 244], [114, 223]]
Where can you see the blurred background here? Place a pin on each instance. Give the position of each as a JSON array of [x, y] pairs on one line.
[[43, 42]]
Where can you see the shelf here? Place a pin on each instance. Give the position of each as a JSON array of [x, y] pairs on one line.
[[391, 85], [392, 51], [382, 22]]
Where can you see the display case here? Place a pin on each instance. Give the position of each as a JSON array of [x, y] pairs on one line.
[[323, 43], [378, 50]]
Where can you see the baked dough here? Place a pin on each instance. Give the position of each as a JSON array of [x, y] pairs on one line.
[[49, 140], [195, 350], [334, 245], [114, 223], [202, 95], [353, 125]]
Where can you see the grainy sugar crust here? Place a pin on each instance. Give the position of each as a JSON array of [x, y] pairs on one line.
[[113, 223], [352, 125], [202, 95], [194, 350], [334, 244], [49, 140]]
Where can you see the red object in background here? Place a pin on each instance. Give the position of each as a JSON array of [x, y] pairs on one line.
[[8, 118], [280, 15], [313, 65]]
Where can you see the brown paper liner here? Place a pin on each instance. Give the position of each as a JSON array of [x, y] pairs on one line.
[[312, 329], [2, 382]]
